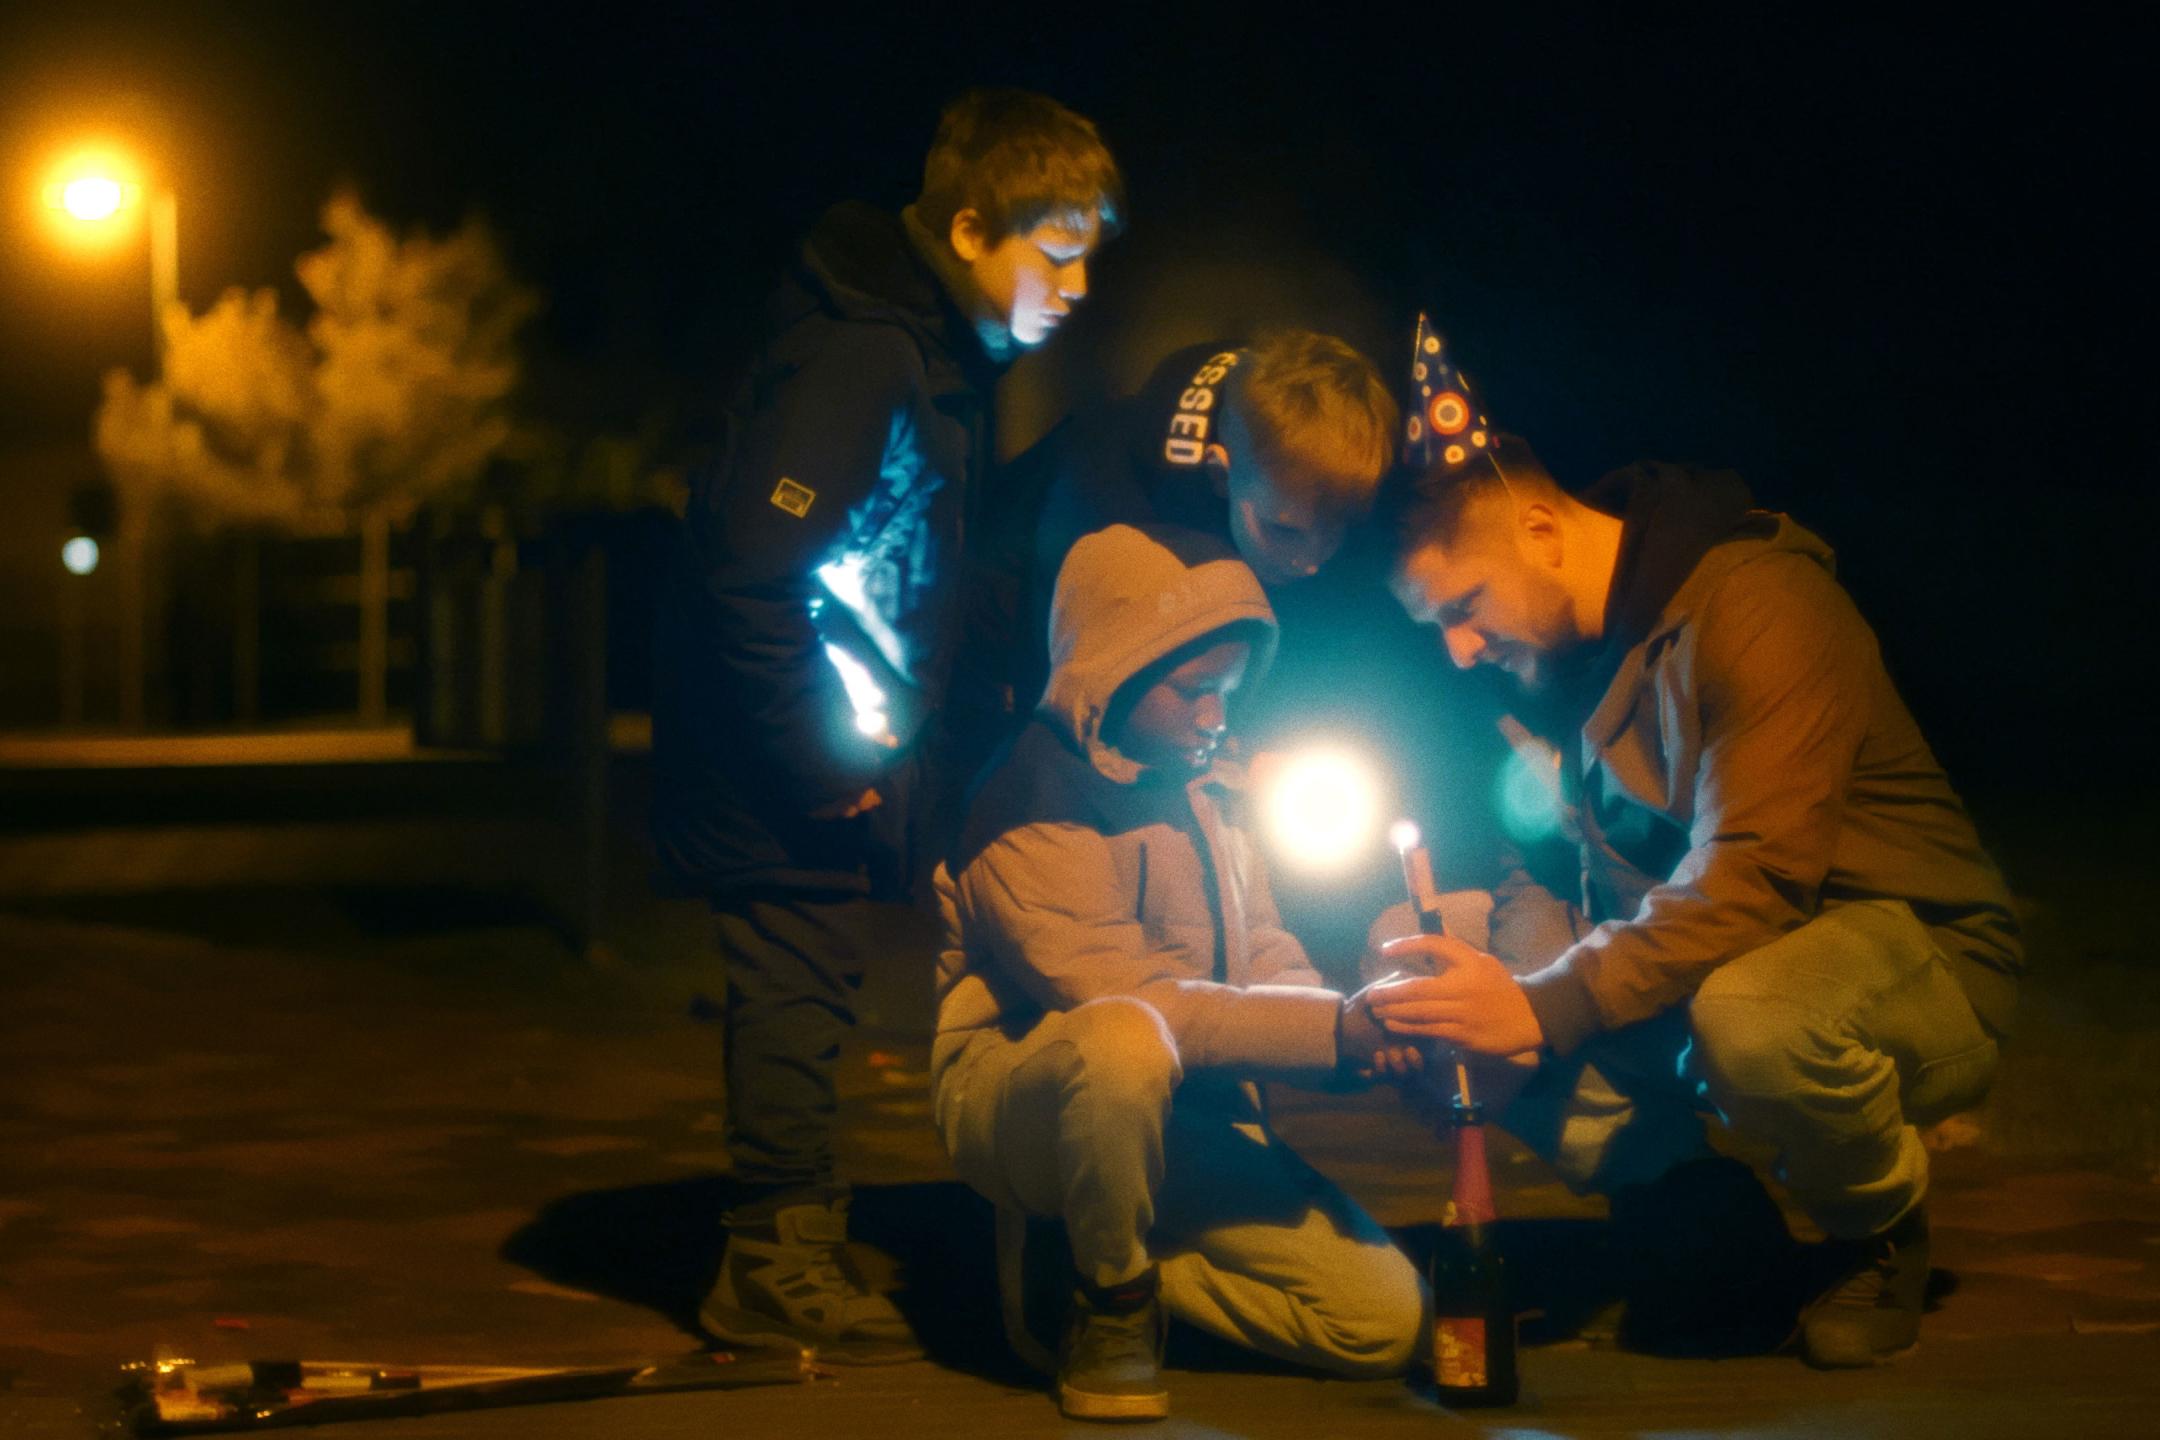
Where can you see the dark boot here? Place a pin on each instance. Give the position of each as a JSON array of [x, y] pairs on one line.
[[786, 1281], [1873, 1313], [1109, 1367]]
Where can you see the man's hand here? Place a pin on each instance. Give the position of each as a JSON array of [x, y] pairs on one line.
[[848, 809], [1471, 1000]]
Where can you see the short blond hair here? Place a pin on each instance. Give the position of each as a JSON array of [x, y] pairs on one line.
[[1319, 415], [1017, 159]]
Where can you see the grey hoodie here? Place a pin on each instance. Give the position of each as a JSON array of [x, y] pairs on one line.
[[1082, 875]]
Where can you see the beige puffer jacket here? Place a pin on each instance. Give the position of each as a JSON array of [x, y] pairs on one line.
[[1082, 875]]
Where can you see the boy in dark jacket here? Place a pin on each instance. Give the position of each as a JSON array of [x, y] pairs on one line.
[[808, 634], [1116, 975]]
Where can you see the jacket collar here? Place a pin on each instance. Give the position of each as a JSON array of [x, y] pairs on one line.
[[1771, 534], [862, 262]]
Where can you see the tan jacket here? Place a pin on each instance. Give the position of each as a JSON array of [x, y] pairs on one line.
[[1081, 875], [1749, 764]]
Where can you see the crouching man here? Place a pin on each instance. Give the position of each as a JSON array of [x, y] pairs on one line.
[[1115, 977], [1786, 920]]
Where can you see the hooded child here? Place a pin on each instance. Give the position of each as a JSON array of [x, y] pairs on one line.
[[1116, 977]]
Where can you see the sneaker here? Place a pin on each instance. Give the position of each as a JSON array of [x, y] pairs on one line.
[[1873, 1314], [786, 1281], [1109, 1365]]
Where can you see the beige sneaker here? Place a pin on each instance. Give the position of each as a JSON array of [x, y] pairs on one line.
[[1109, 1367], [1873, 1314], [786, 1281]]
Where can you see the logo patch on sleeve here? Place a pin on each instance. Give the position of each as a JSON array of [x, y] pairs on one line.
[[793, 498]]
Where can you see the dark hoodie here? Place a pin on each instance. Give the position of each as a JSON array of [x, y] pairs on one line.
[[853, 448]]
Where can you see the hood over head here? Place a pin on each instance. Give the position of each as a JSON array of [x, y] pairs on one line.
[[1128, 596]]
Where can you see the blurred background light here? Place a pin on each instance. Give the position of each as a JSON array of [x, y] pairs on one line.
[[92, 197], [1322, 808], [88, 197], [80, 555], [1528, 796]]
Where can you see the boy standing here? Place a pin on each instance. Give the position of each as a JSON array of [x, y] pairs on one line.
[[807, 639], [1116, 975]]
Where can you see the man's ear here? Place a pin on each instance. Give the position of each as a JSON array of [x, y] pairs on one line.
[[1538, 531], [969, 236]]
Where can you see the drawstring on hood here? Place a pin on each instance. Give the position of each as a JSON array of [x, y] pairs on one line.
[[1126, 597]]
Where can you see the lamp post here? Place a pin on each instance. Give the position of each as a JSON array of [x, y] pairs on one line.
[[95, 190]]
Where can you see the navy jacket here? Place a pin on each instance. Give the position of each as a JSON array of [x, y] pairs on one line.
[[833, 517], [1132, 461]]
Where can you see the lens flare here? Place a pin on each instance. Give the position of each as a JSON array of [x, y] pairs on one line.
[[1529, 797], [1323, 810], [80, 555]]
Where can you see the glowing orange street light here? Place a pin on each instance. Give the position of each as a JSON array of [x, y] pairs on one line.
[[92, 192], [89, 195], [93, 197]]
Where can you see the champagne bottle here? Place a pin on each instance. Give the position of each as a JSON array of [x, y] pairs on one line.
[[1473, 1337], [1473, 1357]]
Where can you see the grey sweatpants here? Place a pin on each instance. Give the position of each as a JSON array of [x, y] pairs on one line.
[[1830, 1046], [1082, 1118]]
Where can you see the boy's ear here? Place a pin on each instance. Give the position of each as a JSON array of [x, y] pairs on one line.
[[969, 236]]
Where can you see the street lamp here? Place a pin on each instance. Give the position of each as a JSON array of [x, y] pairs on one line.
[[92, 192], [89, 194]]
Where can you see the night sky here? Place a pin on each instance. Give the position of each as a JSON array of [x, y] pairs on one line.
[[1884, 271]]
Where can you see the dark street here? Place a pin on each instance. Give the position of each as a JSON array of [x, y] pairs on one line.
[[442, 726], [404, 1123]]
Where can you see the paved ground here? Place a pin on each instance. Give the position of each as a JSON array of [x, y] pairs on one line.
[[294, 1063], [405, 1129]]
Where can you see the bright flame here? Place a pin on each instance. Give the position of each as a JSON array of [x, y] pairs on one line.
[[80, 555], [1322, 808], [1404, 835], [93, 197]]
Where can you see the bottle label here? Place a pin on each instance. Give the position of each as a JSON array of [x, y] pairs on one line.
[[1459, 1352]]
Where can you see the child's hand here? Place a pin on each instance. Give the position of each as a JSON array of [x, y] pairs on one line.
[[1360, 1039]]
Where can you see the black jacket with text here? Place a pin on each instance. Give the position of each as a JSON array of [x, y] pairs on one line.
[[1136, 460]]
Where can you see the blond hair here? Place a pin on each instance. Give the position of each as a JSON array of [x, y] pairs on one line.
[[1319, 415], [1017, 159]]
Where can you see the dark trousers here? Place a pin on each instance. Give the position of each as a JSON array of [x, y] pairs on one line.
[[794, 965]]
